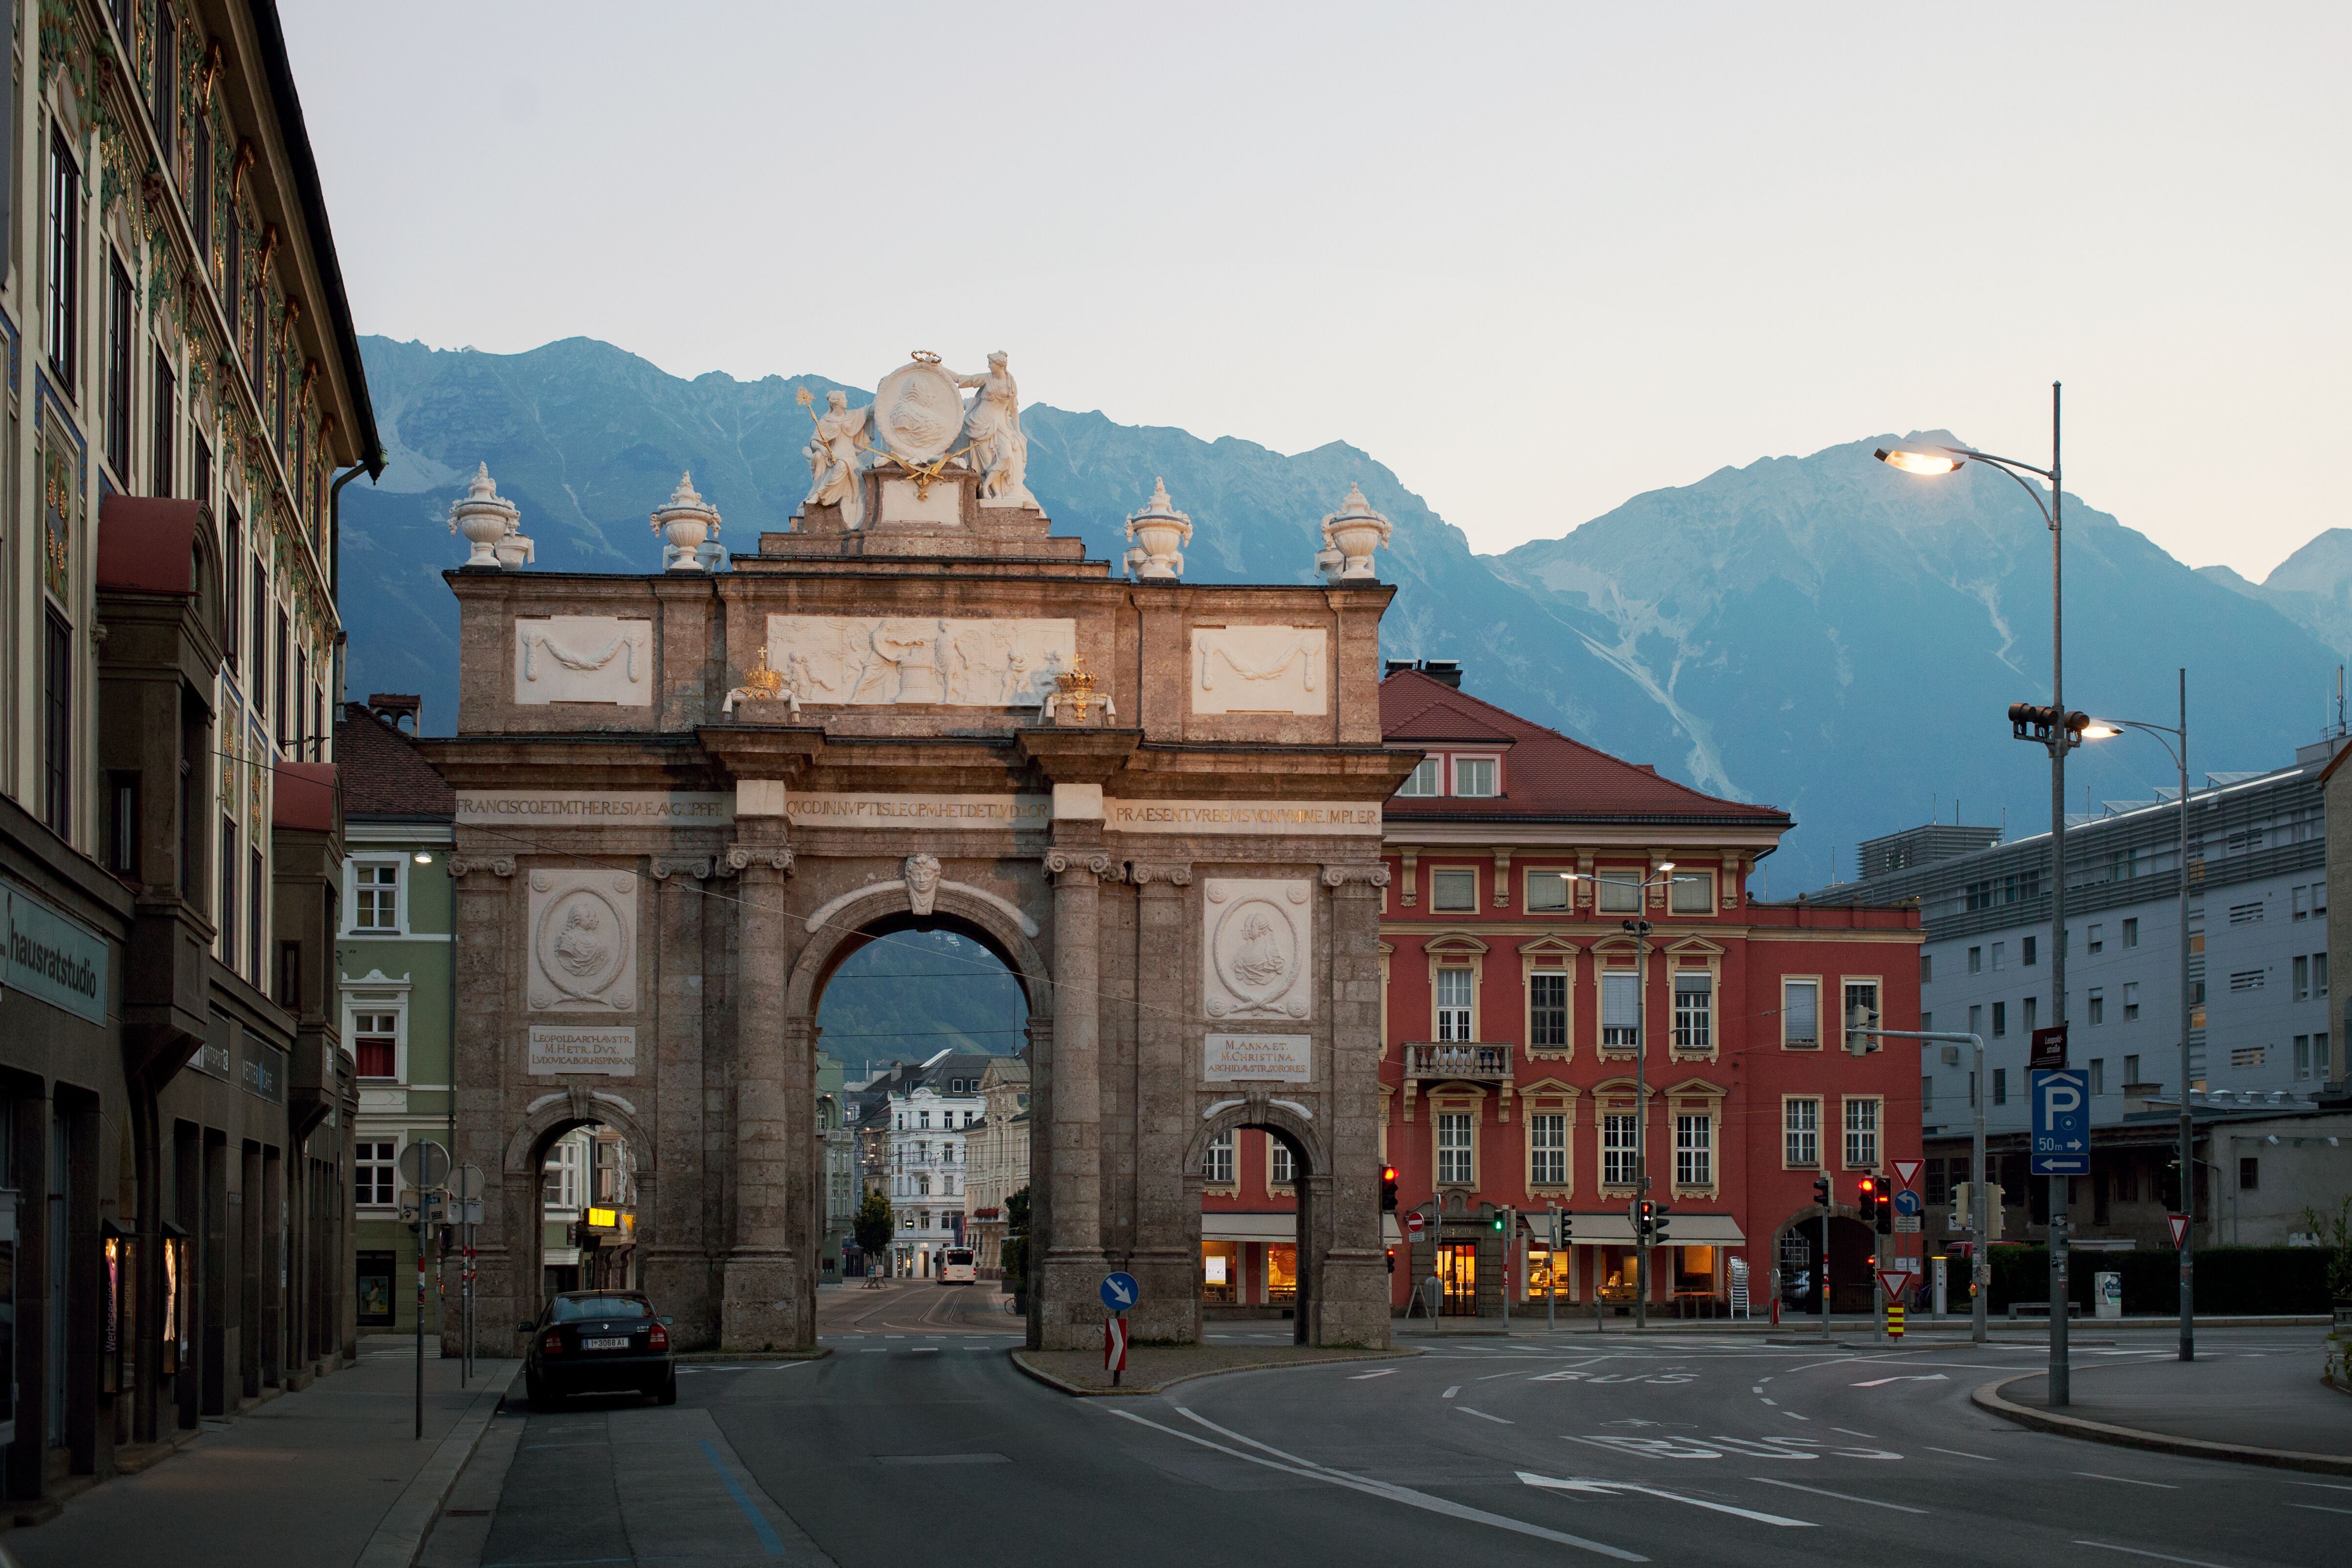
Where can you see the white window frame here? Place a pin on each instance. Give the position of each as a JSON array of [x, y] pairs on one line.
[[396, 1012], [574, 1169], [1436, 873], [389, 1140], [1217, 1162], [1427, 779], [1875, 1131], [1459, 1158], [1567, 904], [1807, 1128], [1494, 760], [399, 864], [1679, 879], [1675, 993], [1619, 1143], [378, 993], [1700, 1154], [1542, 1154], [1624, 976], [1815, 982]]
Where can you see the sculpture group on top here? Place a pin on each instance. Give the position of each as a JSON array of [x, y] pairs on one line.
[[915, 423]]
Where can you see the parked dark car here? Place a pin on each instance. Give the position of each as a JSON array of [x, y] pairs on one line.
[[599, 1342]]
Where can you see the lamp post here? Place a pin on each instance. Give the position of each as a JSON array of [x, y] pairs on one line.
[[2059, 731], [1639, 928], [2100, 729]]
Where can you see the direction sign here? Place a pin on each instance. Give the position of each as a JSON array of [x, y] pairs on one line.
[[1119, 1292], [1906, 1172], [2062, 1121], [1412, 1223], [2049, 1048], [1114, 1346], [2179, 1223], [1894, 1283], [1905, 1201]]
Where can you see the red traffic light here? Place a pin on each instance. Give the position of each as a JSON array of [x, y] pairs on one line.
[[1867, 1187], [1388, 1173]]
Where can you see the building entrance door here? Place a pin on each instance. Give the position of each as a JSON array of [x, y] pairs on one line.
[[1457, 1268]]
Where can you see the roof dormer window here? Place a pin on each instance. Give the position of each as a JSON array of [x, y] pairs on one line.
[[1429, 779], [1476, 776]]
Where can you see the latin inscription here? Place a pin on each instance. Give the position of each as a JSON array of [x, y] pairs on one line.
[[611, 1052], [1258, 1058], [856, 810], [1321, 817], [488, 808]]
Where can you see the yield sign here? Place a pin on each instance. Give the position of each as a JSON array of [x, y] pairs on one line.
[[1894, 1283], [2179, 1223], [1906, 1172]]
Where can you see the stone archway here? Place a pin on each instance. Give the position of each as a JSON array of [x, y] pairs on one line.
[[682, 799], [1852, 1245], [1315, 1233]]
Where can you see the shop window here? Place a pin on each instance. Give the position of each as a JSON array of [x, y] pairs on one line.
[[1281, 1274], [1453, 1012], [1694, 1270], [1220, 1272], [374, 1289], [1458, 1273]]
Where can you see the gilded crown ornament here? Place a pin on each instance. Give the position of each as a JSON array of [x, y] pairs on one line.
[[1076, 686]]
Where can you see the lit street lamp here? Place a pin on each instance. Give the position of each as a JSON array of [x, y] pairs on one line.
[[2101, 730], [2060, 731]]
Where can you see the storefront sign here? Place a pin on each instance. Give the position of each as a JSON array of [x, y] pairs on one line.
[[51, 958], [1321, 818], [1258, 1058], [264, 1071], [556, 1049], [578, 807], [876, 811]]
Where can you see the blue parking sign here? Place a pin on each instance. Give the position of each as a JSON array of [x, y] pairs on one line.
[[2062, 1121]]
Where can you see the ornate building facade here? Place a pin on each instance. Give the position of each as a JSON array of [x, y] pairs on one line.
[[182, 382]]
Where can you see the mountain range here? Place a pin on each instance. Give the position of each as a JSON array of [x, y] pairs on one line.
[[1821, 632]]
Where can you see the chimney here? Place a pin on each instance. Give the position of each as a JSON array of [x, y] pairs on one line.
[[1394, 666], [1445, 671], [393, 706]]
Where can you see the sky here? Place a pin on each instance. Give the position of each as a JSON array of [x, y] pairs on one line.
[[1536, 260]]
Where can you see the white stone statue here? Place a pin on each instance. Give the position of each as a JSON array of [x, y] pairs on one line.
[[1352, 533], [992, 429], [835, 458]]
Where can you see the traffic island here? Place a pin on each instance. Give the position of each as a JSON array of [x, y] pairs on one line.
[[2256, 1410], [1153, 1367]]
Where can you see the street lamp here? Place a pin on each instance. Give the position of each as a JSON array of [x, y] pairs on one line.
[[2101, 729], [2059, 734], [1639, 926]]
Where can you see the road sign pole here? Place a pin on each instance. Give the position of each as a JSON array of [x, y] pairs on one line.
[[1823, 1284], [1551, 1276]]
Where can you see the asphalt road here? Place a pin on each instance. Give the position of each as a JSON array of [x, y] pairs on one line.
[[917, 1440]]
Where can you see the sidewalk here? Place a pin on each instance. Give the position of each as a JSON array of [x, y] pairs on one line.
[[1857, 1326], [329, 1476], [2267, 1408]]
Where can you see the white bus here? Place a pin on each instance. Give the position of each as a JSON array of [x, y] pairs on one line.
[[955, 1266]]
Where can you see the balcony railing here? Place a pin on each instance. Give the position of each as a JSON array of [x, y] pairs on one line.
[[1458, 1058]]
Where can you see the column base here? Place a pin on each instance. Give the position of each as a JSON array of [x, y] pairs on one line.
[[1354, 1310], [1171, 1287], [1068, 1311], [763, 1307]]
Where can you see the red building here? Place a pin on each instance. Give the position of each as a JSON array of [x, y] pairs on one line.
[[1518, 1017]]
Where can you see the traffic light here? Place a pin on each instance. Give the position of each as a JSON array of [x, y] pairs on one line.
[[2028, 722], [1882, 1209], [1645, 1219], [1862, 1027], [1658, 1212], [1865, 1198], [1565, 1231], [1388, 1189], [1822, 1191], [1392, 1260], [1498, 1220]]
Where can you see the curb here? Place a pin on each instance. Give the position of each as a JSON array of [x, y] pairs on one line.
[[399, 1537], [1987, 1398], [1020, 1359]]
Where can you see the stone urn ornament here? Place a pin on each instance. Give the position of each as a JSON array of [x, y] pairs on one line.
[[485, 518], [684, 522], [515, 548], [1354, 531], [1158, 532]]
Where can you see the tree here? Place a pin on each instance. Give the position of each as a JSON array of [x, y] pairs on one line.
[[1015, 1254], [874, 1227]]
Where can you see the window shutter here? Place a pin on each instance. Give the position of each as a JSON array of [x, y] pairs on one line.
[[1800, 1008], [1620, 1001]]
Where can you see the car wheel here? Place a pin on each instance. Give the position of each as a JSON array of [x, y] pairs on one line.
[[534, 1392], [668, 1394]]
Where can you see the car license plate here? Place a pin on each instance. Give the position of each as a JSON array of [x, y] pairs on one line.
[[621, 1343]]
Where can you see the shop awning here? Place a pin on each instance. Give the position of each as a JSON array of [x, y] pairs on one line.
[[1681, 1230], [1228, 1226]]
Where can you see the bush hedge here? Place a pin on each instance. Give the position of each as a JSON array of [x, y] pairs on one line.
[[2230, 1280]]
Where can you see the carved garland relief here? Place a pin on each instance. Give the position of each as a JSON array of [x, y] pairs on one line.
[[583, 940], [1256, 947], [583, 659], [1260, 669]]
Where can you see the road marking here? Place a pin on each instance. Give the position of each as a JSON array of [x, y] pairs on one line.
[[769, 1541], [1492, 1375], [1851, 1433], [1501, 1422], [1882, 1382], [1610, 1488], [1384, 1371], [2095, 1475], [1793, 1415], [1841, 1497], [1410, 1498], [2159, 1556], [1758, 1389], [942, 1458], [2318, 1508], [1774, 1403], [1933, 1449], [2324, 1486], [1451, 1391]]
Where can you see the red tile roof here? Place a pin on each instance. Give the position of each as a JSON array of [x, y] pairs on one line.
[[1546, 774], [383, 773]]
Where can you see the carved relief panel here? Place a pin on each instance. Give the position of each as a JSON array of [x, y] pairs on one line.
[[585, 659], [1260, 669], [583, 940], [1258, 947], [872, 659]]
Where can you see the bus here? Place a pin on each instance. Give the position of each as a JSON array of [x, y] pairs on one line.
[[955, 1266]]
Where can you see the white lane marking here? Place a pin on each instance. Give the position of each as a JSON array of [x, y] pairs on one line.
[[923, 1350], [1793, 1415], [1384, 1371], [1451, 1391], [1501, 1422], [1774, 1403], [2324, 1486], [2321, 1508], [1882, 1382], [1958, 1454], [1763, 1380], [1608, 1488], [1841, 1497], [2095, 1475], [1410, 1499], [1758, 1389], [2159, 1556], [1851, 1433], [1492, 1375]]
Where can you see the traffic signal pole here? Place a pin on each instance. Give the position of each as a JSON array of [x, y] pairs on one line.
[[1979, 1228]]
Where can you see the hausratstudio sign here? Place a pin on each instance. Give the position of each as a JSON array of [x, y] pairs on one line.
[[52, 958]]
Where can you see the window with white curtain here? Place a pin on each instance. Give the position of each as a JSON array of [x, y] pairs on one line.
[[1801, 1014], [1621, 1009]]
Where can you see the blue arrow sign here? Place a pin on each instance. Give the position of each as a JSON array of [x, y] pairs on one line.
[[1907, 1201], [2062, 1121], [1119, 1292]]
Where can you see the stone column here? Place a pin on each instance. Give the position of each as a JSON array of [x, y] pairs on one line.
[[1352, 1304], [1070, 1309], [759, 1310], [485, 927], [677, 1271], [1166, 1261]]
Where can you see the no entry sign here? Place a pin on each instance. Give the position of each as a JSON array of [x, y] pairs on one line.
[[1412, 1223]]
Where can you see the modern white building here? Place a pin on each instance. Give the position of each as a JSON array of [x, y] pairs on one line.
[[935, 1110], [2258, 961]]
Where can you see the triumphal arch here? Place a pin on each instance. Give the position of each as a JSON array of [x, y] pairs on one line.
[[686, 796]]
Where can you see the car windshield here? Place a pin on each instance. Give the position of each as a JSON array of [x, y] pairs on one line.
[[571, 1309]]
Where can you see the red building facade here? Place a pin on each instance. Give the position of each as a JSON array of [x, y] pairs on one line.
[[1519, 1015]]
